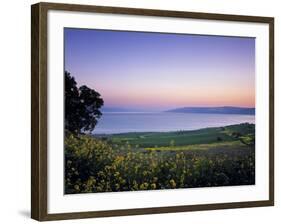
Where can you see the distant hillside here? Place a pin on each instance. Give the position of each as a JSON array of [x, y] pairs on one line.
[[214, 110]]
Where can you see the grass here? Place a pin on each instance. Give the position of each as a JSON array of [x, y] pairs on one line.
[[183, 138], [217, 145], [207, 157]]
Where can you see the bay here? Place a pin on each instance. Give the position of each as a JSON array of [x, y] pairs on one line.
[[124, 122]]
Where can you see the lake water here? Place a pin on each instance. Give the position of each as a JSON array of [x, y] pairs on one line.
[[111, 123]]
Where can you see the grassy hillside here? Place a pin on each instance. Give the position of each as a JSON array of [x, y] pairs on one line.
[[128, 162], [182, 138]]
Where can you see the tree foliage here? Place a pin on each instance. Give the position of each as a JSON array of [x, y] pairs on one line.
[[82, 106]]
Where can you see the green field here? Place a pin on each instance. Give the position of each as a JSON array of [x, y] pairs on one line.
[[223, 156], [228, 135]]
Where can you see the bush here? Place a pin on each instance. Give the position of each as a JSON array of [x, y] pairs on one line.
[[92, 165]]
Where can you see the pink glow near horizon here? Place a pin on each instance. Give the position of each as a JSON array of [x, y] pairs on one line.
[[153, 71]]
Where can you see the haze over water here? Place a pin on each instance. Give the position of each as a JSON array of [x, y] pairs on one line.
[[116, 122]]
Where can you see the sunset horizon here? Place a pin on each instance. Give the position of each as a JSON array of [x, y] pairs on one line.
[[155, 71], [158, 111]]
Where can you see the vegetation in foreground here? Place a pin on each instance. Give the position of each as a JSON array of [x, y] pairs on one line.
[[146, 161]]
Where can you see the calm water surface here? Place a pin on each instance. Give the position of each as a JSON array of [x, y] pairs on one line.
[[111, 123]]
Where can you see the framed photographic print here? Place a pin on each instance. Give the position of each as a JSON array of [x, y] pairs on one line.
[[141, 111]]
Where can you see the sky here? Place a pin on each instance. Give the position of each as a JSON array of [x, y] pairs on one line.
[[156, 71]]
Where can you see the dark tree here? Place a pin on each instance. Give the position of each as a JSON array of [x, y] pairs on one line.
[[219, 139], [82, 106]]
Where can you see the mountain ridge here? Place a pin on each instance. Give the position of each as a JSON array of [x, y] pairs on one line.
[[215, 110]]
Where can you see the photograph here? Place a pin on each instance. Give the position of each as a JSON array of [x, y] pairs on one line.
[[157, 111]]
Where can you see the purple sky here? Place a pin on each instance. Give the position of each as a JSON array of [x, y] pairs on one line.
[[154, 71]]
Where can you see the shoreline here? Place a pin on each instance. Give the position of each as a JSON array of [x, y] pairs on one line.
[[163, 132]]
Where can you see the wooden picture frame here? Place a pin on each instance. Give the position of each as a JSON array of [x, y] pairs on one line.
[[39, 109]]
